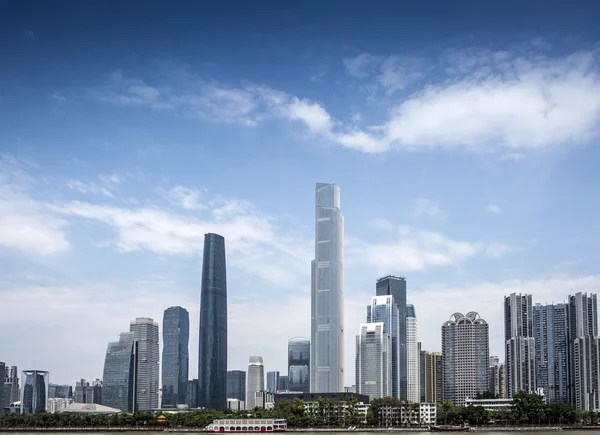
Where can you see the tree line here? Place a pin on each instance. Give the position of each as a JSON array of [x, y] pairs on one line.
[[526, 409]]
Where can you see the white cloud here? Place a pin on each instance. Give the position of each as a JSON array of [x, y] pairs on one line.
[[312, 114], [427, 207], [107, 185], [493, 208], [362, 65], [184, 197], [25, 224]]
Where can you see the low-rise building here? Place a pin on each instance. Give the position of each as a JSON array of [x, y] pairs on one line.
[[57, 404], [264, 399], [490, 404], [235, 404], [428, 413]]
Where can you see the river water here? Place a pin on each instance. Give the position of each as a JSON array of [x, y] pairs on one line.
[[487, 431]]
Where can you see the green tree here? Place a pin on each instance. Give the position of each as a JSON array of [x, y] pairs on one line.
[[529, 408]]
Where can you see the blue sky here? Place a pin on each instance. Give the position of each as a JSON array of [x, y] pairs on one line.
[[464, 140]]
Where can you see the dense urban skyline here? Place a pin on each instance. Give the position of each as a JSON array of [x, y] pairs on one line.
[[120, 148]]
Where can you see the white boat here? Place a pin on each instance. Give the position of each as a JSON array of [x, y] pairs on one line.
[[228, 425]]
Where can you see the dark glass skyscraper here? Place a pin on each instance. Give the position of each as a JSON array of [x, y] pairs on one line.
[[34, 395], [212, 356], [395, 286], [236, 385], [299, 365], [175, 357], [120, 373]]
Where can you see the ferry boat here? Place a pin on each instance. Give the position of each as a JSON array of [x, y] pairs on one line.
[[450, 428], [228, 425]]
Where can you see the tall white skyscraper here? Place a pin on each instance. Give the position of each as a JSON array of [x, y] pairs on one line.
[[255, 379], [412, 356], [145, 332], [327, 293], [373, 361]]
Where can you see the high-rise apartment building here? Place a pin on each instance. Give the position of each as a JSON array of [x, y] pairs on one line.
[[34, 393], [272, 381], [520, 344], [496, 384], [585, 348], [2, 372], [298, 378], [255, 380], [236, 385], [146, 335], [412, 356], [429, 369], [327, 293], [212, 356], [120, 373], [10, 380], [552, 359], [466, 355], [383, 309], [175, 356], [395, 286], [373, 361]]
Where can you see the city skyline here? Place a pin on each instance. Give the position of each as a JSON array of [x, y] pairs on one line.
[[121, 149]]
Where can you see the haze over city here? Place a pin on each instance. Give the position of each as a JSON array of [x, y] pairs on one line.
[[463, 140]]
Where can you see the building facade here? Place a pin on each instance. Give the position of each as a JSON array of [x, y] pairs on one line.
[[56, 391], [585, 348], [212, 356], [236, 385], [145, 333], [428, 376], [175, 356], [519, 344], [466, 355], [383, 309], [327, 293], [34, 391], [193, 394], [395, 286], [373, 361], [272, 381], [256, 380], [298, 378], [10, 380], [284, 384], [2, 374], [496, 381], [552, 359], [88, 393], [413, 394], [120, 373]]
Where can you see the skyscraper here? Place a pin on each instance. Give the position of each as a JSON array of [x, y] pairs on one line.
[[236, 385], [272, 381], [552, 359], [412, 356], [10, 379], [327, 293], [466, 355], [430, 367], [585, 348], [146, 335], [298, 378], [175, 356], [395, 286], [120, 373], [256, 380], [496, 377], [212, 356], [2, 374], [520, 344], [34, 394], [193, 393], [283, 383], [88, 393], [383, 309], [373, 361]]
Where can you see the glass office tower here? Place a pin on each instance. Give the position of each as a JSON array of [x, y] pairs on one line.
[[175, 357], [34, 391], [327, 293], [395, 286], [299, 365], [120, 373], [236, 385], [212, 352]]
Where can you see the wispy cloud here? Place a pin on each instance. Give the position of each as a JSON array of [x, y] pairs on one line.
[[105, 186], [427, 207], [493, 208], [184, 197], [25, 223], [477, 100]]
